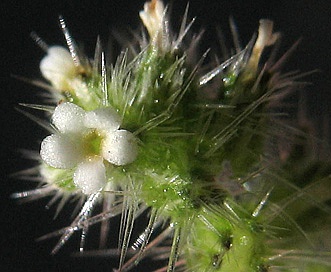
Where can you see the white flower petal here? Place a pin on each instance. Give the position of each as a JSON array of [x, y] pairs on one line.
[[104, 118], [119, 147], [57, 66], [90, 176], [68, 117], [59, 151]]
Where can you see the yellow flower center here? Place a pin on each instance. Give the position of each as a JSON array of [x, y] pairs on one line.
[[92, 143]]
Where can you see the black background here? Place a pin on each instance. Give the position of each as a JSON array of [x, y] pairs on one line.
[[21, 224]]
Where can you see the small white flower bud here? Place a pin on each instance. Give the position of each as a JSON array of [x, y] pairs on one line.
[[57, 67], [265, 38], [152, 17]]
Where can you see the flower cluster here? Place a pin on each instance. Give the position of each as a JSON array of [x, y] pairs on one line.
[[198, 150]]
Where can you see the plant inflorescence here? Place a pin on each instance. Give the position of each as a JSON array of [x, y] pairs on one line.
[[200, 146]]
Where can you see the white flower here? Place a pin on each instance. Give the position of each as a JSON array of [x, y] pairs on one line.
[[58, 67], [84, 140], [153, 18], [61, 71]]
